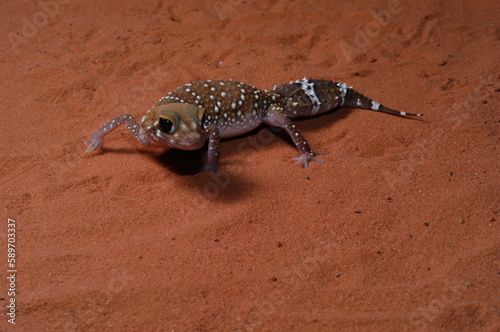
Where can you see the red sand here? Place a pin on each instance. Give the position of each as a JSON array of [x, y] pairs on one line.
[[398, 230]]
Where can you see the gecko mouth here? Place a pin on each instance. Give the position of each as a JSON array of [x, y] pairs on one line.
[[188, 143]]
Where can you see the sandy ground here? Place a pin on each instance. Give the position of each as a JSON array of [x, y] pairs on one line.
[[398, 230]]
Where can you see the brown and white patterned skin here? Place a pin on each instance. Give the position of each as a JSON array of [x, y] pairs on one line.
[[195, 113]]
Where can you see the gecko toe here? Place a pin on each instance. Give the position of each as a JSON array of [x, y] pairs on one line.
[[95, 143], [306, 158]]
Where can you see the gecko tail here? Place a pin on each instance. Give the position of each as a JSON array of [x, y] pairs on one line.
[[356, 99]]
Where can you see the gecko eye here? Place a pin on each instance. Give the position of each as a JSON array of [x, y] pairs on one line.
[[166, 125]]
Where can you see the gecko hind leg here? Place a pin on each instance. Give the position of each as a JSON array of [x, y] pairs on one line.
[[275, 116]]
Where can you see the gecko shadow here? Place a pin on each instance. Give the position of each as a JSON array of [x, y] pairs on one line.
[[230, 186], [191, 162], [182, 162], [206, 186]]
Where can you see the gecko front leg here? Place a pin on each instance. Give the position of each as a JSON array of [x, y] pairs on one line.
[[127, 119], [213, 135], [275, 116]]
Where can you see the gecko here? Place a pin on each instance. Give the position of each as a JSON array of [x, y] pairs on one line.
[[208, 111]]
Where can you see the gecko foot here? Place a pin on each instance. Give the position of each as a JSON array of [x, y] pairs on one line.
[[94, 143], [306, 158], [214, 169]]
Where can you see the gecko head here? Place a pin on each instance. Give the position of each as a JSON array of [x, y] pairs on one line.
[[175, 125]]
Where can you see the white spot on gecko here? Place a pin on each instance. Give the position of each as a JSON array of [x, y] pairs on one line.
[[308, 89], [375, 106], [343, 91]]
